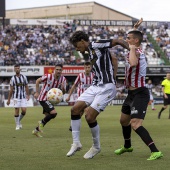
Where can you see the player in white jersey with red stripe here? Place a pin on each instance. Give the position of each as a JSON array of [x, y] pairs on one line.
[[135, 105], [149, 85], [55, 80], [83, 81]]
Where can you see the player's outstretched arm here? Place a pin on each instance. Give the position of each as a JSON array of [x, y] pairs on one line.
[[137, 24]]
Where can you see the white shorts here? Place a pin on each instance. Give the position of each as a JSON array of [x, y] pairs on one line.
[[20, 103], [151, 97], [98, 97]]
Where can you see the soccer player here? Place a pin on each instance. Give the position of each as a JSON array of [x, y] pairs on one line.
[[149, 85], [83, 81], [20, 92], [54, 80], [166, 94], [135, 105], [99, 94]]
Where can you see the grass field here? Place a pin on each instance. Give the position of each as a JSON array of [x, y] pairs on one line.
[[20, 150]]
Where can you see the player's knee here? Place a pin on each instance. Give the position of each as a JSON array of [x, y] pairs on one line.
[[75, 111], [135, 124], [124, 122], [23, 113], [53, 115]]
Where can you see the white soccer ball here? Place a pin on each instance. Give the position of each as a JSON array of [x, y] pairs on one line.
[[55, 96]]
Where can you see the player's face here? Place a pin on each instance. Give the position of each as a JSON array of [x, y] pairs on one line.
[[80, 46], [58, 71], [87, 69], [17, 70], [149, 82], [130, 39]]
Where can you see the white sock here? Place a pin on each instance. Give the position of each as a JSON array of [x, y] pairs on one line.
[[152, 105], [96, 136], [17, 120], [76, 124]]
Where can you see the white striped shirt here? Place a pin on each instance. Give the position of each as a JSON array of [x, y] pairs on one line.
[[149, 86], [49, 83], [19, 83], [83, 81], [135, 76], [100, 57]]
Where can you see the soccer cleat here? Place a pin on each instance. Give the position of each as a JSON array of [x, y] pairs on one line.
[[91, 153], [17, 127], [123, 150], [36, 133], [153, 109], [40, 126], [155, 155], [74, 148], [20, 126]]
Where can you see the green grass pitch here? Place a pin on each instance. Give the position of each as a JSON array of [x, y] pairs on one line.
[[20, 150]]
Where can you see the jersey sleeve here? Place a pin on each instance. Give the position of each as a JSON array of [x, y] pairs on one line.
[[77, 81], [163, 83], [44, 78]]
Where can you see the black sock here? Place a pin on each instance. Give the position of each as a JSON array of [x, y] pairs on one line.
[[145, 136], [48, 118], [126, 130], [162, 109]]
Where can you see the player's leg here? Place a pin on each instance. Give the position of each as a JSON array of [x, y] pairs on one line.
[[78, 107], [137, 117], [103, 95], [49, 112], [126, 127], [163, 108], [23, 110], [16, 116]]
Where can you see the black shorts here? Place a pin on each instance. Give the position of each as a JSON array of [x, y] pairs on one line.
[[136, 103], [167, 101], [47, 106]]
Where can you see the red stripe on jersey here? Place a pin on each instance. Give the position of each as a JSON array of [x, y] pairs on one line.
[[49, 83]]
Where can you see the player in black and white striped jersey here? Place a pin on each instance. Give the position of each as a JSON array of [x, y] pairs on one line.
[[20, 93], [99, 94]]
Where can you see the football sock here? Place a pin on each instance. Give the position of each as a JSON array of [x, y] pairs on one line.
[[145, 136], [126, 130], [17, 119], [48, 118], [162, 109], [76, 124], [95, 130], [21, 116]]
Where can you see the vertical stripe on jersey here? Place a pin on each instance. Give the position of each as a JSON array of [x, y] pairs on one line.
[[137, 74], [16, 88]]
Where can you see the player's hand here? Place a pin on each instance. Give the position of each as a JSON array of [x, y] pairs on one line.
[[137, 24], [36, 95], [8, 102], [67, 99]]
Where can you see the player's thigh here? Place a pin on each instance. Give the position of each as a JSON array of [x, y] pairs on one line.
[[104, 94], [47, 106], [139, 105]]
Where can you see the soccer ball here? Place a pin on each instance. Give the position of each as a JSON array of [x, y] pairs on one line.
[[54, 95]]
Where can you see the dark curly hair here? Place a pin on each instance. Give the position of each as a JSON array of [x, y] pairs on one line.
[[78, 36]]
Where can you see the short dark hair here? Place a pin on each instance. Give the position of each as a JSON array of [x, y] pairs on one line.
[[137, 34], [16, 65], [59, 65], [87, 63], [78, 36]]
